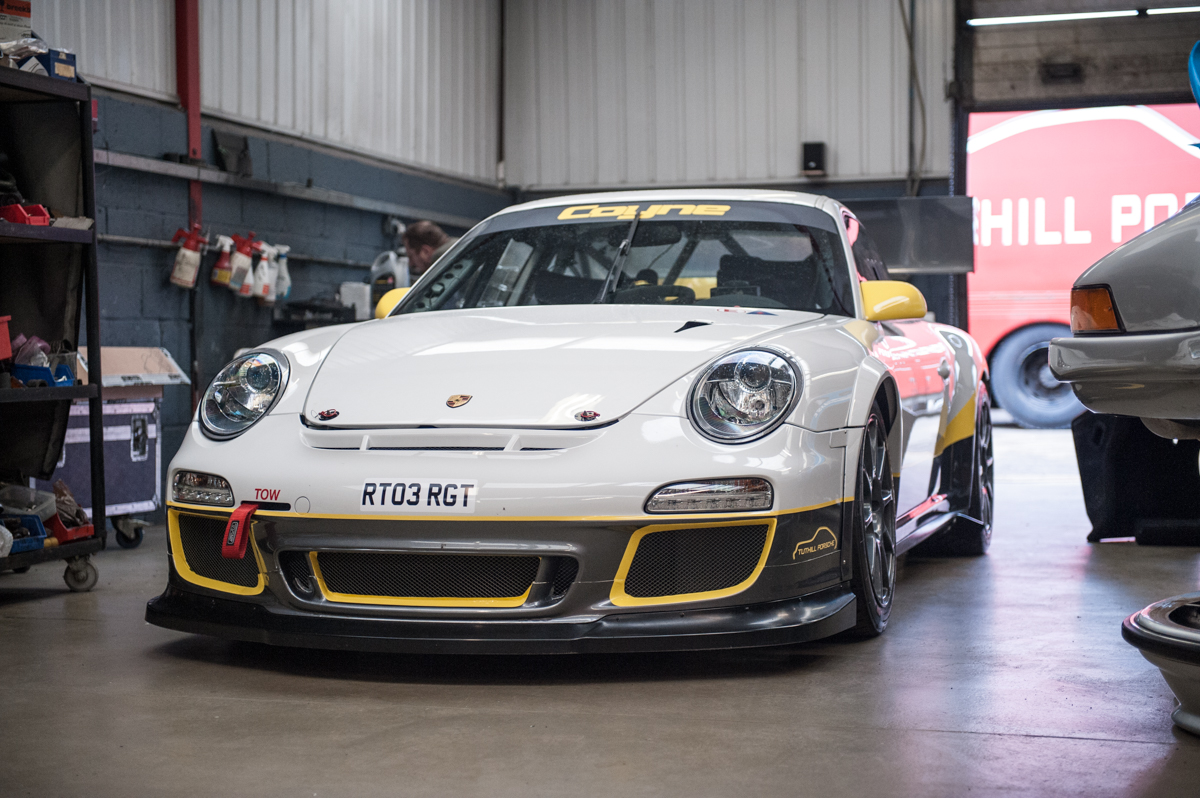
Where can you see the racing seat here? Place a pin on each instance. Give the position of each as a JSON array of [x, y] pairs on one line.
[[789, 282], [565, 289]]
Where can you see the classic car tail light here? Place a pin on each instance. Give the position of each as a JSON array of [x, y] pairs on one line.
[[1093, 310], [193, 487], [712, 495]]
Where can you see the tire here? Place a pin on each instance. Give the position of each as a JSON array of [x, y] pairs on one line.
[[873, 525], [130, 541], [24, 569], [1024, 385], [972, 536], [81, 577]]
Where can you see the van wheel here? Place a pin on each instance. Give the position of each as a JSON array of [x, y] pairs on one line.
[[1024, 384]]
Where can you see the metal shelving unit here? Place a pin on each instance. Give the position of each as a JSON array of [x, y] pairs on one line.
[[36, 93]]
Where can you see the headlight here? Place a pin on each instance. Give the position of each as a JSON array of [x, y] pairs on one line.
[[744, 395], [243, 393], [193, 487], [712, 495]]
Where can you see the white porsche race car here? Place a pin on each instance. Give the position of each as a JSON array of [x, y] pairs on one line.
[[623, 422]]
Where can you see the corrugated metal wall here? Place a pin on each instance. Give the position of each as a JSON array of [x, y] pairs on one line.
[[122, 44], [642, 92], [416, 81]]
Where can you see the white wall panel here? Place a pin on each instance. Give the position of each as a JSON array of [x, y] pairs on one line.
[[409, 80], [122, 44], [642, 92]]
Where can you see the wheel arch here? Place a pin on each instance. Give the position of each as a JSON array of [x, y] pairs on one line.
[[875, 384]]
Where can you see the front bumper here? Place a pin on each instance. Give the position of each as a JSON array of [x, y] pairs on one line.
[[1148, 375], [771, 624]]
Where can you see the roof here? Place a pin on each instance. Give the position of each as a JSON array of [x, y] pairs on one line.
[[696, 194]]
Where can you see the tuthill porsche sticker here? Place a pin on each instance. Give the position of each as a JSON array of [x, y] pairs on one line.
[[823, 541], [458, 400]]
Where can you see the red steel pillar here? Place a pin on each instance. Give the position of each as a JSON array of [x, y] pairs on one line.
[[187, 83]]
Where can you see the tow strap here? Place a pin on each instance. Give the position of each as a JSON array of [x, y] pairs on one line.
[[237, 532]]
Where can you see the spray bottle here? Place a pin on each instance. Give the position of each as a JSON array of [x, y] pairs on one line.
[[265, 274], [283, 283], [241, 261], [187, 260], [247, 289], [221, 271]]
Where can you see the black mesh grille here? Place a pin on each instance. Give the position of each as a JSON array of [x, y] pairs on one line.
[[564, 577], [201, 538], [465, 576], [677, 561]]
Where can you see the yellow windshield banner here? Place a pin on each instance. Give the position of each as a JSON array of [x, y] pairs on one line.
[[628, 212]]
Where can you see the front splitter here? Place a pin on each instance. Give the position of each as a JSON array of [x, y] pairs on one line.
[[770, 624]]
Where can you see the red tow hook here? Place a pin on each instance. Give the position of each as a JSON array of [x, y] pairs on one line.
[[237, 532]]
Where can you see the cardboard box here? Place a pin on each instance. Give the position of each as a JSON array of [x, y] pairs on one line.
[[15, 20], [55, 63], [135, 372]]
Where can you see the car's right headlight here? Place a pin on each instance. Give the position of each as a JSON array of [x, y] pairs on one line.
[[242, 393], [744, 395]]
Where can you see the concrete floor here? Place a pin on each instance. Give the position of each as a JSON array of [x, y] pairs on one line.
[[1002, 675]]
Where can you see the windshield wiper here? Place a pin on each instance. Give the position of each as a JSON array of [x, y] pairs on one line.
[[610, 282]]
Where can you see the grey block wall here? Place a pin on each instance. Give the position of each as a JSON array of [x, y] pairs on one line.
[[139, 306]]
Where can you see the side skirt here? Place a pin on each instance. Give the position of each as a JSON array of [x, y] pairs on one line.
[[928, 529]]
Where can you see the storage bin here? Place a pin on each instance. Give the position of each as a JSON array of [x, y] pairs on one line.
[[20, 500], [34, 525], [56, 529], [61, 377]]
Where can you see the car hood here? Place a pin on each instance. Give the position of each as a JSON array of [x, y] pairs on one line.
[[524, 367]]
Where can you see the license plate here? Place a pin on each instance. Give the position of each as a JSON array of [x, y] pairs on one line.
[[419, 496]]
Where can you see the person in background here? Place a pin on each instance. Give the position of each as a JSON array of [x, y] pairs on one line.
[[424, 243]]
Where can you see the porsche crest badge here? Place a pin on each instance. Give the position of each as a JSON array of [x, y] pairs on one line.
[[587, 415], [458, 400], [328, 415]]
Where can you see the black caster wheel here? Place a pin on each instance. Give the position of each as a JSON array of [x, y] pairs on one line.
[[81, 576], [130, 541]]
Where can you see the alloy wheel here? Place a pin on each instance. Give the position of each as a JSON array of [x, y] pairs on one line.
[[878, 511]]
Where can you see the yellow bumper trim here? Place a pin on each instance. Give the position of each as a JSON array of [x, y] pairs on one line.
[[185, 570], [620, 598]]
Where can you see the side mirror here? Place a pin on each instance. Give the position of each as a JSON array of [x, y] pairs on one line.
[[389, 301], [891, 300]]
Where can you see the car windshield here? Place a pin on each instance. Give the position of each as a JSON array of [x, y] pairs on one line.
[[744, 255]]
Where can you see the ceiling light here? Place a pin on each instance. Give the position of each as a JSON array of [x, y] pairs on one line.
[[1178, 10], [981, 21]]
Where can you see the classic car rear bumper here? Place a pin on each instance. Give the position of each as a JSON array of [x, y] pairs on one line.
[[796, 620], [1150, 375]]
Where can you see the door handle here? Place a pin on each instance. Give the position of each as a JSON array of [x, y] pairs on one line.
[[944, 370]]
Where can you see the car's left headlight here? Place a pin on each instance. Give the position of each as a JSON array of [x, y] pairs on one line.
[[744, 395], [242, 393]]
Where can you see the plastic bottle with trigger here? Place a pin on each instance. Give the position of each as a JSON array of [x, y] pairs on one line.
[[241, 261], [247, 287], [221, 271], [187, 260], [265, 274], [283, 282]]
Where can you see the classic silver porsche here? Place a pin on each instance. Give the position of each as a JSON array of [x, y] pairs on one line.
[[1135, 316], [639, 421]]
